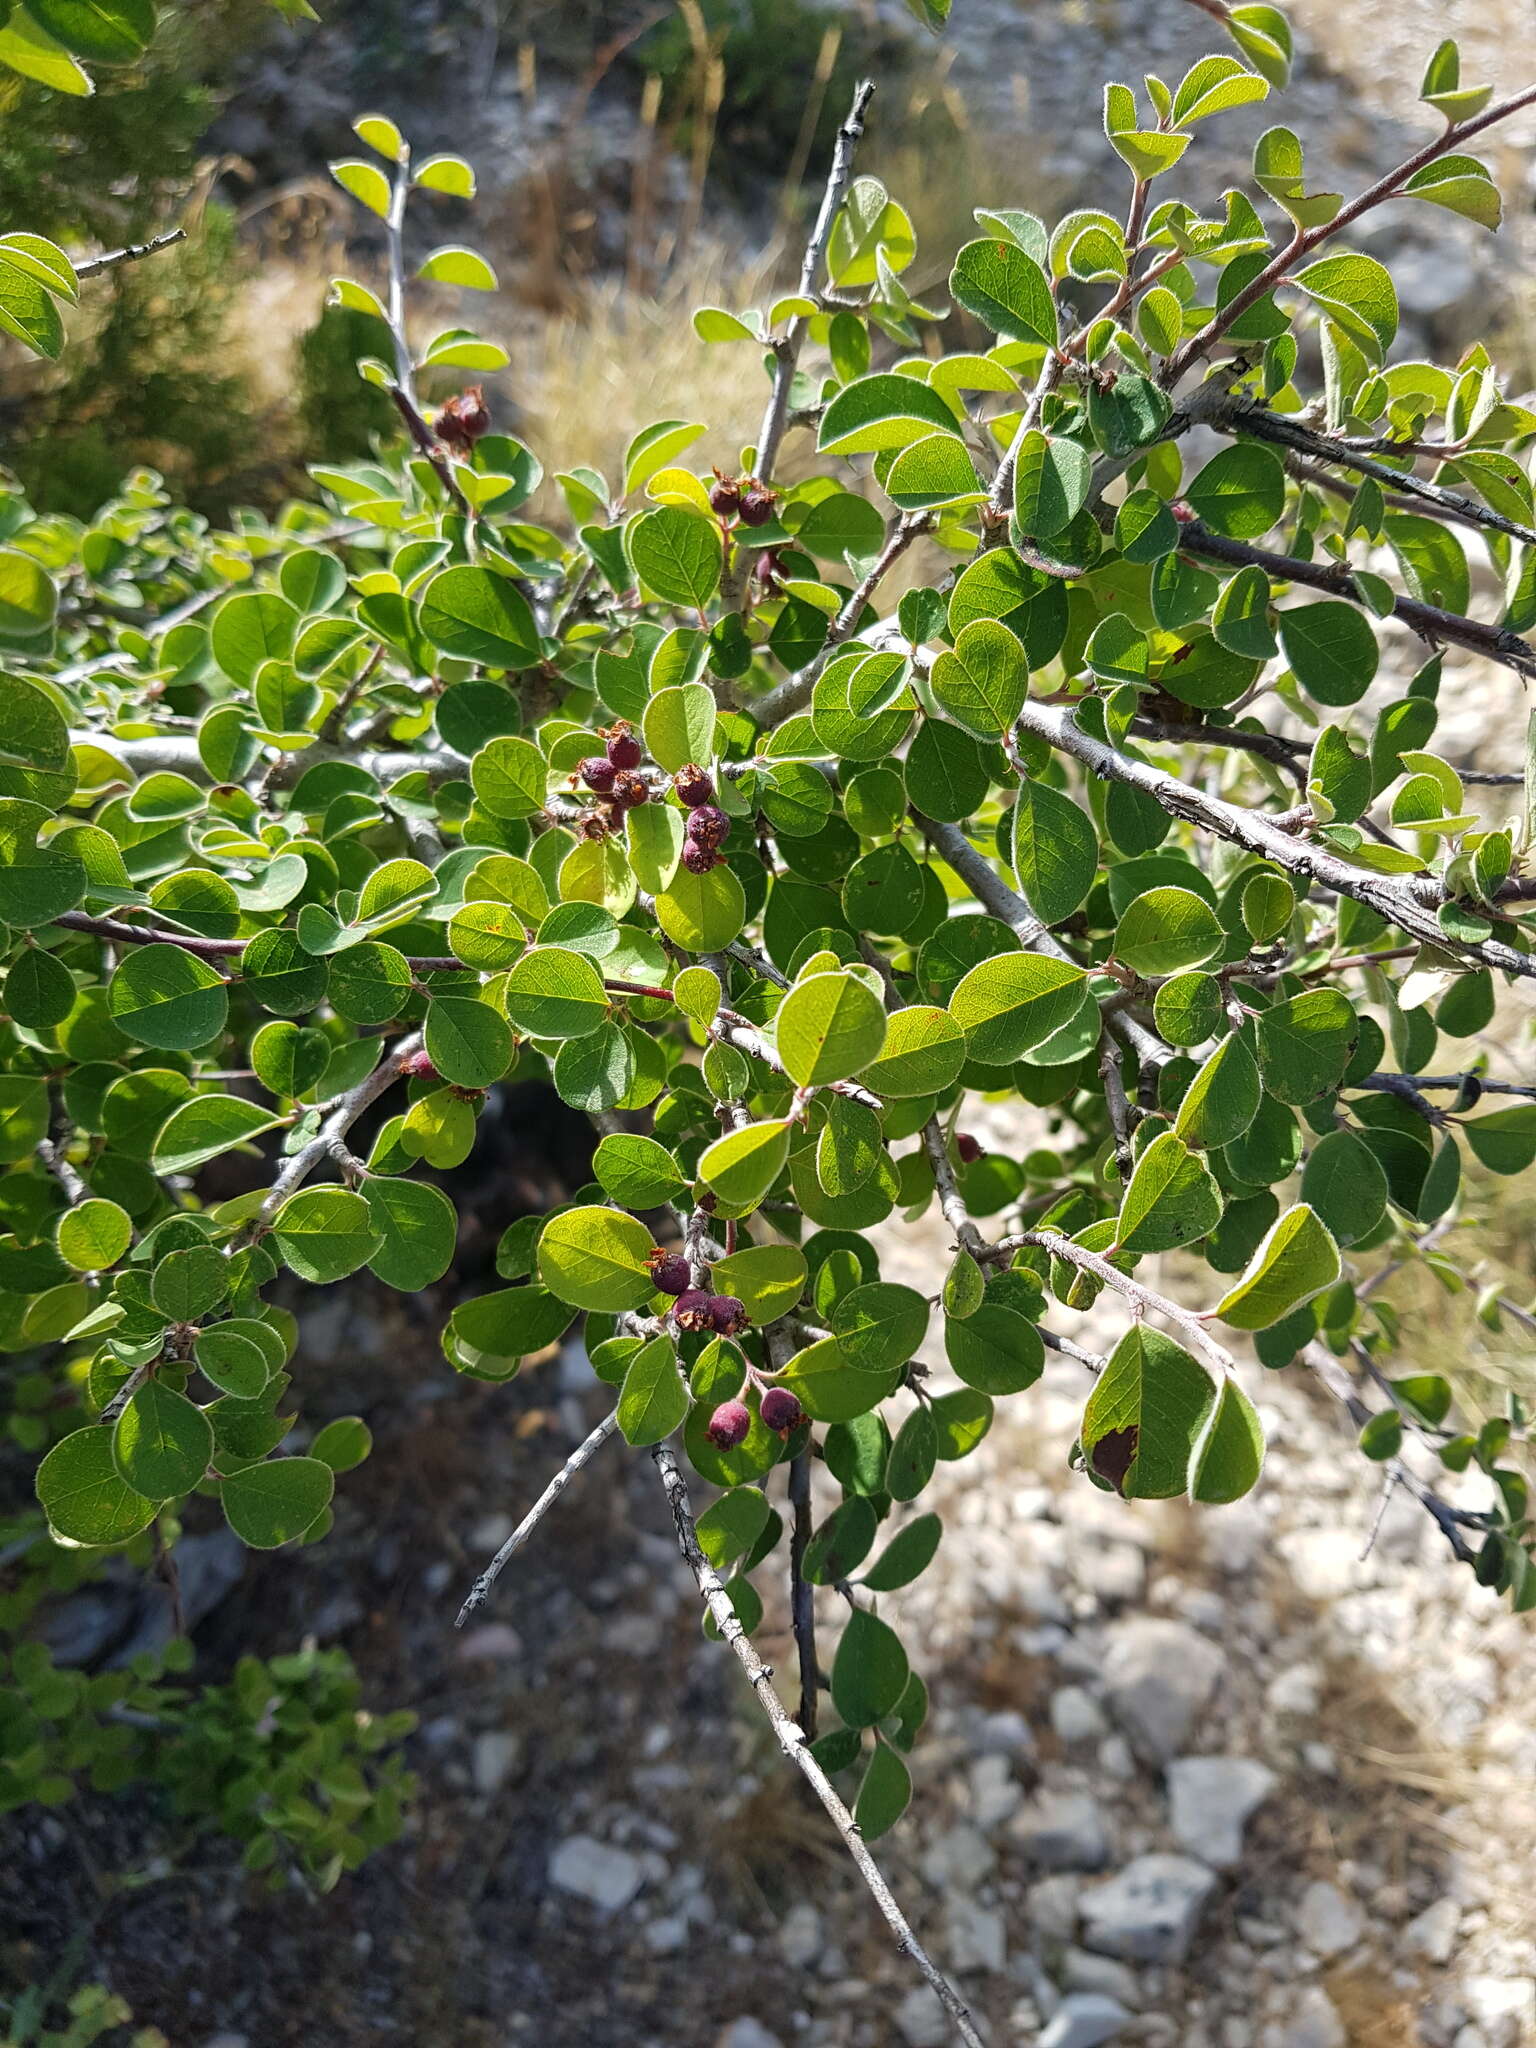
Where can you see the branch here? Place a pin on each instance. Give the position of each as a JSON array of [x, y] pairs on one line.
[[51, 1153], [135, 252], [786, 349], [951, 1201], [793, 1743], [1303, 241], [122, 934], [337, 1124], [1497, 643], [178, 754], [994, 517], [1144, 1300], [430, 447], [1289, 755], [587, 1449]]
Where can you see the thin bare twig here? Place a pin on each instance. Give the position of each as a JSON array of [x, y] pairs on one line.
[[135, 252], [791, 1740], [951, 1201], [341, 1119], [1146, 1300], [587, 1449]]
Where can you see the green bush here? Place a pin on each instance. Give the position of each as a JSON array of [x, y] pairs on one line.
[[405, 794]]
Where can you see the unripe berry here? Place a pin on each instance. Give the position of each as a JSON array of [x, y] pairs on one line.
[[597, 772], [698, 860], [757, 506], [725, 495], [671, 1272], [692, 1310], [709, 826], [780, 1411], [727, 1315], [624, 750], [728, 1426], [629, 790], [693, 785], [420, 1066], [969, 1149]]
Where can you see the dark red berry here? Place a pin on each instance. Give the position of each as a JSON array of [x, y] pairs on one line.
[[698, 860], [692, 1310], [725, 495], [597, 772], [420, 1066], [709, 826], [968, 1148], [728, 1426], [727, 1315], [630, 789], [462, 421], [624, 750], [757, 506], [780, 1411], [671, 1272], [693, 785]]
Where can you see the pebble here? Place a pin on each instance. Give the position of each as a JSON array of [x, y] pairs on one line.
[[748, 2033], [496, 1754], [1314, 2023], [976, 1938], [1063, 1831], [995, 1792], [960, 1858], [1084, 2019], [920, 2019], [1052, 1906], [1083, 1971], [1076, 1716], [607, 1878], [800, 1935], [1432, 1934], [1148, 1912], [1210, 1800], [1327, 1920], [1159, 1676]]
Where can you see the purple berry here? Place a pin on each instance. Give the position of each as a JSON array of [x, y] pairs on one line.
[[624, 750], [671, 1273], [598, 773], [725, 495], [728, 1426], [698, 860], [693, 785], [780, 1411], [969, 1148], [727, 1315], [709, 826], [757, 506], [692, 1309], [629, 790]]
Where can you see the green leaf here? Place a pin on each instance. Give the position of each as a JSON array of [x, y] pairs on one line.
[[1167, 929], [1505, 1140], [250, 629], [677, 554], [886, 1789], [26, 48], [878, 1327], [1006, 290], [470, 1043], [271, 1503], [322, 1234], [1331, 649], [828, 1027], [842, 1542], [654, 448], [596, 1259], [27, 309], [168, 998], [679, 726], [743, 1165], [1008, 1005], [230, 1358], [1357, 293], [1297, 1260], [1226, 1462], [481, 616], [94, 1235], [906, 1557], [884, 411], [1050, 484], [996, 1350], [768, 1279], [702, 913], [937, 470], [1263, 34], [554, 993], [1212, 86], [869, 1672], [418, 1228], [186, 1284], [1055, 851], [1305, 1043], [1172, 1200], [365, 181], [653, 1399], [924, 1051], [636, 1171], [162, 1442], [205, 1126], [1145, 1416], [38, 883], [1222, 1099], [1240, 492], [982, 682], [1344, 1184], [1461, 184], [84, 1496], [455, 265]]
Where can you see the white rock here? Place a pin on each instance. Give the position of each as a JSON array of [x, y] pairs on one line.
[[1063, 1831], [1297, 1690], [995, 1792], [1084, 2019], [1327, 1920], [976, 1938], [800, 1936], [1052, 1907], [1149, 1911], [1433, 1933], [920, 2019], [1081, 1971], [494, 1757], [1323, 1564], [959, 1859], [1496, 2000], [1076, 1715], [748, 2033], [1210, 1799], [1314, 2022], [665, 1937], [609, 1878], [1116, 1760], [1159, 1676]]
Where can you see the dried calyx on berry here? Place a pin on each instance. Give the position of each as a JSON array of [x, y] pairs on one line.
[[757, 502], [420, 1066], [728, 1316], [728, 1426], [780, 1411], [725, 494], [670, 1271], [624, 750], [693, 1310], [462, 421], [597, 772], [708, 826], [969, 1149], [629, 789], [698, 860], [693, 785]]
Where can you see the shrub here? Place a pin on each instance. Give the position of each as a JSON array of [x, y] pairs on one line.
[[405, 794]]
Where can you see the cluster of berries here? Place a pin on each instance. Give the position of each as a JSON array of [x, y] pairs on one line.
[[708, 826], [612, 775], [461, 422], [696, 1309], [742, 498]]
